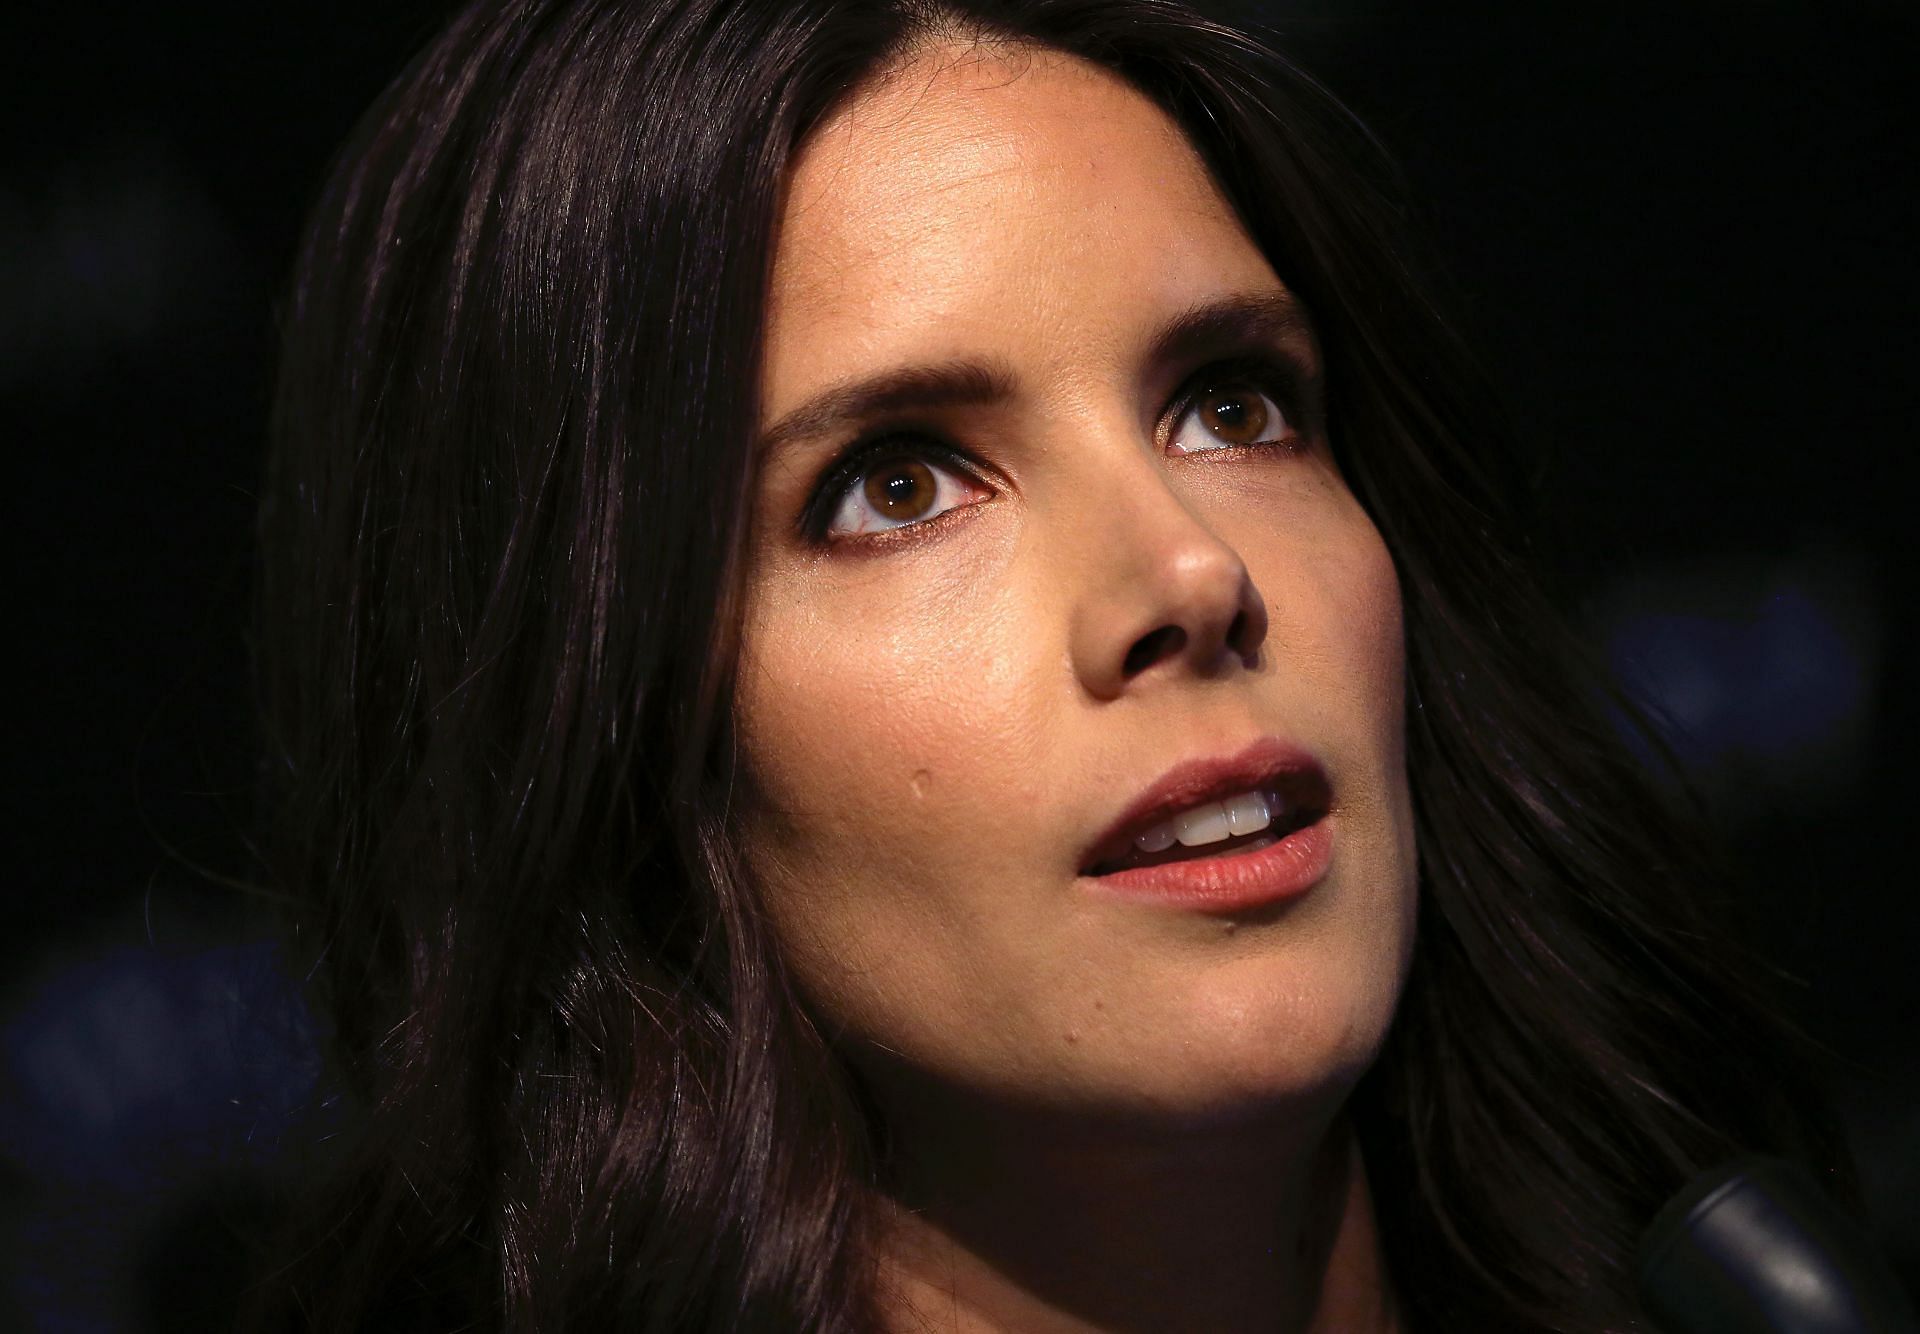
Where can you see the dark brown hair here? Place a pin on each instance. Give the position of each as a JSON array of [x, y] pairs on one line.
[[501, 543]]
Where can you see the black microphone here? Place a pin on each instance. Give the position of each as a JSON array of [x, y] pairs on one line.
[[1754, 1246]]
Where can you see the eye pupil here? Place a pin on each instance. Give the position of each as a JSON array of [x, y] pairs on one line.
[[901, 490], [1236, 417]]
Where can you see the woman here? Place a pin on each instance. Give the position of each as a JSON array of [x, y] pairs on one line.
[[903, 695]]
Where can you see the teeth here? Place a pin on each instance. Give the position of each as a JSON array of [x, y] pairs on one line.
[[1205, 823], [1157, 839], [1213, 822], [1248, 813]]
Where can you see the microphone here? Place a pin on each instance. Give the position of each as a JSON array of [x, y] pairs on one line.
[[1754, 1246]]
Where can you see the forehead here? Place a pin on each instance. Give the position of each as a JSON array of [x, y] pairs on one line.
[[971, 194]]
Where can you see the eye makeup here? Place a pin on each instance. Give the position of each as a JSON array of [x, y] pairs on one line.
[[866, 452], [1280, 376]]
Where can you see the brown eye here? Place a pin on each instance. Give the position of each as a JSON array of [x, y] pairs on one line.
[[901, 490], [1236, 415], [889, 485], [1228, 413]]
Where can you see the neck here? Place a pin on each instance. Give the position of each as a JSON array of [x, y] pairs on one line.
[[1228, 1231]]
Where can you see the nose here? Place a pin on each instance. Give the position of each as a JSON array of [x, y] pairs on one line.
[[1166, 593]]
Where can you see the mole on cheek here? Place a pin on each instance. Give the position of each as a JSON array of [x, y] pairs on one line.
[[922, 780]]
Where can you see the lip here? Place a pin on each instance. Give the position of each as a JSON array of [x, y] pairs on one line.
[[1289, 866], [1235, 882]]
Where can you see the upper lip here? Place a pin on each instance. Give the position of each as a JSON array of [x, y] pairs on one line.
[[1270, 762]]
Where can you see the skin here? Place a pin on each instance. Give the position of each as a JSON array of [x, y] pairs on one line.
[[1105, 1114]]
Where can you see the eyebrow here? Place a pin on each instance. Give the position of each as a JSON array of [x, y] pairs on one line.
[[1258, 317]]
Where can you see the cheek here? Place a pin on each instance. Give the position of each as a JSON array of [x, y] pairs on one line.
[[1379, 651], [1335, 627], [877, 756], [1375, 592], [858, 707], [1367, 587], [1363, 600]]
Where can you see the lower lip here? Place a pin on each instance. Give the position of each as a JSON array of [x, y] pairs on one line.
[[1233, 883]]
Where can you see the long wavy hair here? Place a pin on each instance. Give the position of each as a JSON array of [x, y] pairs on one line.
[[498, 611]]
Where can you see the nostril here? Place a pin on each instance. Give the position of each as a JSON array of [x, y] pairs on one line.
[[1164, 642]]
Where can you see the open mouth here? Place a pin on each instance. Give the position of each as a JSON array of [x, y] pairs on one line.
[[1245, 823]]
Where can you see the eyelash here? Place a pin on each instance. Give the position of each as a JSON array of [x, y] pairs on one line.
[[1285, 383]]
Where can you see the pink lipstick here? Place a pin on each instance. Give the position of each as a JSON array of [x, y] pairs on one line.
[[1221, 835]]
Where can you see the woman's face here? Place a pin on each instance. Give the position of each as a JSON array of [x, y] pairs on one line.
[[966, 659]]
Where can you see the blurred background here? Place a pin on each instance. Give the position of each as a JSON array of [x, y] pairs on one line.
[[1683, 236]]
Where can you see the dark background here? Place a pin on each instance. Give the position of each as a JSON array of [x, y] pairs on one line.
[[1682, 237]]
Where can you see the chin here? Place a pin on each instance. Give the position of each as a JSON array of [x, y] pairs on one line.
[[1256, 1091], [1257, 1074], [1257, 1056]]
